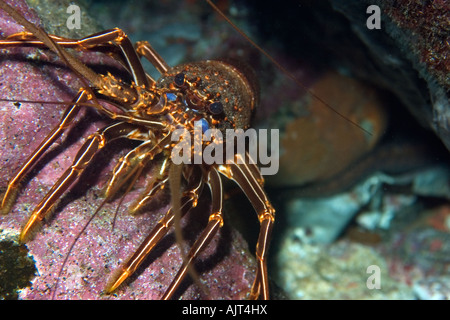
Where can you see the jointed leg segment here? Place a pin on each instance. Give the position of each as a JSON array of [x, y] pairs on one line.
[[188, 201], [84, 156], [244, 175], [213, 226], [65, 122]]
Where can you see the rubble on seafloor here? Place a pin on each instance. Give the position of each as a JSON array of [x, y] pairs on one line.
[[410, 246], [339, 271]]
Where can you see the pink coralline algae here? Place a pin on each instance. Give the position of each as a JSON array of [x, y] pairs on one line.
[[226, 268]]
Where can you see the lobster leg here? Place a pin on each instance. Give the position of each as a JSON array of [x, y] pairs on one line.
[[244, 175], [84, 156], [188, 201], [107, 41], [132, 163], [88, 43], [144, 49], [213, 226], [156, 184], [65, 122], [112, 39]]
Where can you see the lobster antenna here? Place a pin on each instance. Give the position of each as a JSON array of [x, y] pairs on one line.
[[283, 69], [82, 71]]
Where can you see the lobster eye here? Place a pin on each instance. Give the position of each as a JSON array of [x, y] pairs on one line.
[[205, 125], [171, 97], [179, 79], [215, 108]]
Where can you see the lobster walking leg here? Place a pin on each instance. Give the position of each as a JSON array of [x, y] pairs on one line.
[[188, 201], [113, 41], [144, 49], [214, 224], [84, 156], [154, 186], [66, 121], [133, 162], [244, 175]]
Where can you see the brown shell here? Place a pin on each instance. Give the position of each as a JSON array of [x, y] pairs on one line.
[[236, 85]]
